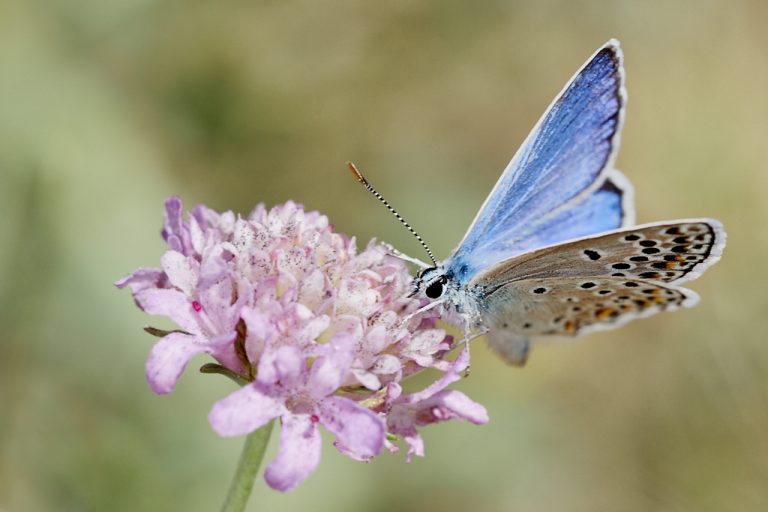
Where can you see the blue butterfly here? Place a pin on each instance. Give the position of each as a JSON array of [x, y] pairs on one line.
[[553, 250]]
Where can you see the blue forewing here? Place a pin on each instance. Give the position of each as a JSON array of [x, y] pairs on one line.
[[561, 183]]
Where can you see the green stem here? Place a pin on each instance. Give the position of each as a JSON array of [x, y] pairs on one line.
[[245, 476]]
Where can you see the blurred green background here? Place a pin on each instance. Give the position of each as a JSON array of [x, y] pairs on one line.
[[106, 108]]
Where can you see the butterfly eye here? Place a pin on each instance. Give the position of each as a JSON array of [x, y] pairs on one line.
[[435, 289]]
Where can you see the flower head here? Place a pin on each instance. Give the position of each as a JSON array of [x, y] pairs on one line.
[[319, 333]]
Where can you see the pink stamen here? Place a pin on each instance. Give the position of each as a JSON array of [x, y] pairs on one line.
[[197, 306], [314, 418]]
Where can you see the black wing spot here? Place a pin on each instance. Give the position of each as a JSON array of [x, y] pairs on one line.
[[631, 284], [539, 290], [588, 285], [648, 243], [639, 258], [632, 238], [650, 250], [621, 266], [593, 255]]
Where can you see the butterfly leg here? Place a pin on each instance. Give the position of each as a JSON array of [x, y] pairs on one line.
[[469, 336], [423, 309], [399, 255]]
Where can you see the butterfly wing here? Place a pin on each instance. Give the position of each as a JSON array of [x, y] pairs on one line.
[[607, 208], [515, 313], [672, 251], [597, 282], [561, 165]]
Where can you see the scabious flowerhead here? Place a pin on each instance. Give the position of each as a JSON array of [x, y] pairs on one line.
[[317, 333]]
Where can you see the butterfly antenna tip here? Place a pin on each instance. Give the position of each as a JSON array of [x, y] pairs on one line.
[[364, 182]]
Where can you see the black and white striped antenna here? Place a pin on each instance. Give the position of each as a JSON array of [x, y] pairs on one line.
[[364, 182]]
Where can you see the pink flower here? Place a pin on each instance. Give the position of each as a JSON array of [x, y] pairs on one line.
[[320, 334], [302, 398]]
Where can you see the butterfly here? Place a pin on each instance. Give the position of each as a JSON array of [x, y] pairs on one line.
[[553, 250]]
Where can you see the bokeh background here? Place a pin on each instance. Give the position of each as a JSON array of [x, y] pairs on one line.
[[106, 108]]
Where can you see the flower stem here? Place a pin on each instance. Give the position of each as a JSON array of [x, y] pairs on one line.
[[245, 476]]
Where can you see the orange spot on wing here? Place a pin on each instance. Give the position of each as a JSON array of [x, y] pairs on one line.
[[603, 313]]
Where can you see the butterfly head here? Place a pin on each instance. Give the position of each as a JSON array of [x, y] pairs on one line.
[[440, 286], [431, 282]]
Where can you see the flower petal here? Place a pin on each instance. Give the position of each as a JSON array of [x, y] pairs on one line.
[[387, 364], [196, 235], [167, 360], [299, 453], [328, 371], [423, 347], [244, 411], [367, 379], [222, 347], [180, 271], [173, 226], [170, 303], [216, 300], [243, 236], [415, 446], [314, 328], [214, 268], [261, 332], [312, 290], [449, 404], [360, 430], [283, 365], [451, 376], [142, 279], [376, 339]]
